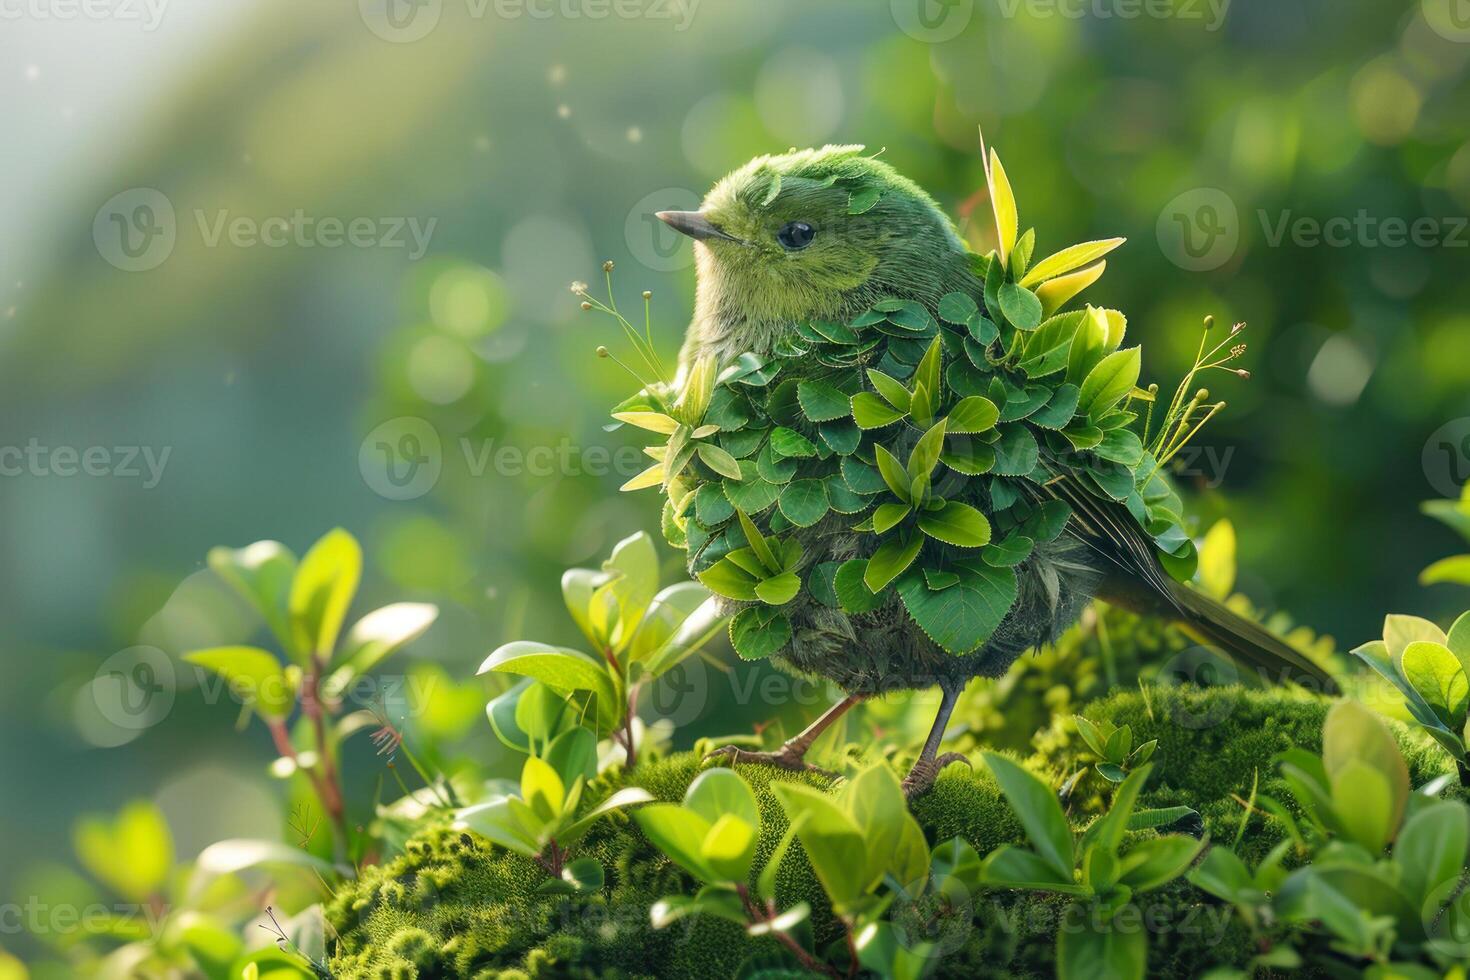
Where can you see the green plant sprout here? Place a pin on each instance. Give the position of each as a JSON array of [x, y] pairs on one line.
[[305, 605], [863, 845], [639, 632], [542, 823], [1431, 669], [1092, 867], [1113, 746]]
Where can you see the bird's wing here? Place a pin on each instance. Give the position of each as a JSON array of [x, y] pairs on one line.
[[1108, 528]]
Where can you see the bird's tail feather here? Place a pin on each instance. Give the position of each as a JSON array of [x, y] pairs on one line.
[[1249, 642], [1212, 623]]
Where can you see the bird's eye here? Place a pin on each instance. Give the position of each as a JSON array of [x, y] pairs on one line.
[[796, 236]]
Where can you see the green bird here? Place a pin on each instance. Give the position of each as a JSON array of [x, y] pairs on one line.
[[895, 459]]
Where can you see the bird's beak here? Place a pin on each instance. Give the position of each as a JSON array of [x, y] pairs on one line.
[[695, 225]]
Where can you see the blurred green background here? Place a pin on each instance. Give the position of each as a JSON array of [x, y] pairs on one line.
[[293, 383]]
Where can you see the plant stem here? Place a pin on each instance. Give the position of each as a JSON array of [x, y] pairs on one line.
[[329, 789], [759, 916]]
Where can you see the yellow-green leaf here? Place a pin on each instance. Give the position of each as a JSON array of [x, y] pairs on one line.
[[1003, 201], [1069, 259], [325, 583]]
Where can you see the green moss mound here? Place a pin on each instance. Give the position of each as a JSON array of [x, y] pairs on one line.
[[452, 906]]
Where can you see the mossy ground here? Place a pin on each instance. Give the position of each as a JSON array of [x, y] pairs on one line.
[[452, 906]]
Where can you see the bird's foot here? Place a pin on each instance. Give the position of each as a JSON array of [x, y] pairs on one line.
[[921, 777], [787, 756]]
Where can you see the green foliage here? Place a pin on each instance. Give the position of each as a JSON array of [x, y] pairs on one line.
[[305, 604], [638, 632], [1388, 908], [1091, 867], [1430, 669], [543, 821]]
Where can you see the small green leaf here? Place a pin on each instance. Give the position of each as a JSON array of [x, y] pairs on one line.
[[758, 543], [892, 391], [973, 414], [778, 589], [325, 583], [1436, 674], [718, 460], [955, 523], [925, 455], [963, 616], [821, 402], [890, 561], [893, 473], [1039, 812], [1108, 382], [871, 412], [1008, 553], [957, 308], [1102, 950], [789, 442], [863, 200], [852, 591], [804, 502], [254, 675], [756, 635], [726, 578], [1020, 306]]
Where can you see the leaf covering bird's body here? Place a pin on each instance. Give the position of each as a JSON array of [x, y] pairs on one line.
[[895, 459]]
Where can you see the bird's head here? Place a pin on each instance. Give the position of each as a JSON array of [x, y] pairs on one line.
[[805, 234]]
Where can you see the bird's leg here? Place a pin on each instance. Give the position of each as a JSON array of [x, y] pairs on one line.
[[926, 768], [792, 755]]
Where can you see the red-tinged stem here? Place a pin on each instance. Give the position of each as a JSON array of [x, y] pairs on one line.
[[758, 916], [329, 789]]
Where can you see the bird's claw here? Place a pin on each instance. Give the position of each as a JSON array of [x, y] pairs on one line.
[[921, 777], [785, 757]]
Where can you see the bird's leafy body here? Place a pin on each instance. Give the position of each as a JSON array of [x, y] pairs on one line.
[[896, 460]]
